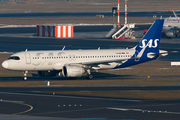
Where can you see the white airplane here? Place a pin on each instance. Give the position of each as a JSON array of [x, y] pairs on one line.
[[171, 27], [76, 63]]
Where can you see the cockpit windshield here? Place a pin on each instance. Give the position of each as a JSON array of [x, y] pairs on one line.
[[14, 58]]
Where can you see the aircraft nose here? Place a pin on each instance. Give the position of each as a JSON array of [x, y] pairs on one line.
[[5, 64]]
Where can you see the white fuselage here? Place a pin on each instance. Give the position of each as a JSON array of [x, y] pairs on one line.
[[171, 22], [55, 60]]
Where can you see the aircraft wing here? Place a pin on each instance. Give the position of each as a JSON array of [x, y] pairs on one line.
[[105, 62], [116, 60], [102, 62]]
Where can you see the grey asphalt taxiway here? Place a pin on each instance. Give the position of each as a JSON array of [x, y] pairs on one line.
[[19, 103], [81, 107], [84, 14]]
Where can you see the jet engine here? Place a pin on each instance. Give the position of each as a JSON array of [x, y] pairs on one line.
[[176, 32], [72, 71], [172, 33], [48, 73], [169, 33]]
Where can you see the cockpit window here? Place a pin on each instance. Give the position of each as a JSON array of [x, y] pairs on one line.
[[14, 58]]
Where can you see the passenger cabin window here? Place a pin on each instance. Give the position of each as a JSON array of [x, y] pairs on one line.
[[14, 58]]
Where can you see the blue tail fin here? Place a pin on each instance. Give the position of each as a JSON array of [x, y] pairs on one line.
[[152, 38]]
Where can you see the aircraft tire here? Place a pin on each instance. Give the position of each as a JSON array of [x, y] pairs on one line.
[[25, 78], [90, 77]]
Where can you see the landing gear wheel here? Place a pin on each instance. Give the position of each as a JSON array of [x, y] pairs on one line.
[[25, 78], [90, 77]]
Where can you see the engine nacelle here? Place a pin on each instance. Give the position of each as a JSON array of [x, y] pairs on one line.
[[72, 71], [48, 73], [170, 33]]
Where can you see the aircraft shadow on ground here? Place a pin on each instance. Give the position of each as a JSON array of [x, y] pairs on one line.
[[96, 75]]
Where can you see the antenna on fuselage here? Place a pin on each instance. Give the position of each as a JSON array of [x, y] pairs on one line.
[[98, 48], [26, 50]]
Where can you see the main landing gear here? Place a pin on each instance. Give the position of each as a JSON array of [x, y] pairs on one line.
[[25, 75], [89, 75]]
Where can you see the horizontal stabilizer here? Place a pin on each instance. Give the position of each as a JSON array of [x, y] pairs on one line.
[[162, 53]]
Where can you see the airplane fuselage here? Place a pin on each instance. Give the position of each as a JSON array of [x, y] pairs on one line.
[[171, 22], [55, 60], [171, 27]]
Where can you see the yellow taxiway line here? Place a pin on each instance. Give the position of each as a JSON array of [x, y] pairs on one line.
[[31, 107]]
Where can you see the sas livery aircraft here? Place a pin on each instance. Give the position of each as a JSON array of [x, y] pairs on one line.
[[76, 63]]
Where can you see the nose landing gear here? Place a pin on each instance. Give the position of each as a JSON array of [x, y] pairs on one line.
[[25, 75]]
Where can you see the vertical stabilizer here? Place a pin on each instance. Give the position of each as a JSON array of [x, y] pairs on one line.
[[148, 48], [152, 38]]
